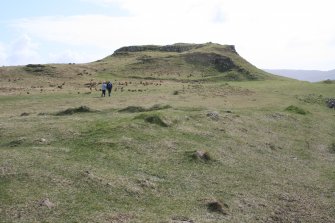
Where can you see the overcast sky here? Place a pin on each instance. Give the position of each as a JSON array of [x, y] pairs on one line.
[[277, 34]]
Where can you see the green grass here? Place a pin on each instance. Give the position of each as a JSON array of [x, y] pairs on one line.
[[133, 161], [297, 110]]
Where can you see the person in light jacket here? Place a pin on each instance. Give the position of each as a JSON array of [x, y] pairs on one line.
[[103, 89]]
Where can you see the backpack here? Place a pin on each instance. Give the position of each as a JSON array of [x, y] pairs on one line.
[[109, 85]]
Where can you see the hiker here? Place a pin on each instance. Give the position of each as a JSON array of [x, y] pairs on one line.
[[103, 89], [109, 88]]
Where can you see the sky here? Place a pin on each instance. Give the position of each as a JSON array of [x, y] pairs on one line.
[[271, 34]]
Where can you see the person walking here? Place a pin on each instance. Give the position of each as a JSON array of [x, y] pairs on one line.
[[109, 88], [103, 89]]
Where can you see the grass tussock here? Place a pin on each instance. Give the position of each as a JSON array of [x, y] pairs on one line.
[[218, 207], [132, 109], [297, 110], [136, 109], [156, 119], [332, 148], [153, 119], [71, 111]]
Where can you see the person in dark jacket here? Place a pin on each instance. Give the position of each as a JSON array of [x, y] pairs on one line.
[[109, 88]]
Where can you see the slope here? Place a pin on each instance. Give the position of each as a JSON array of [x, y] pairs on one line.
[[178, 149], [182, 62]]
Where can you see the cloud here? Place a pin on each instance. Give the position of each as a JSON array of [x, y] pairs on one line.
[[20, 51], [267, 33], [162, 8], [148, 22]]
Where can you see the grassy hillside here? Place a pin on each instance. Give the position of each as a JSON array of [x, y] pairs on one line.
[[179, 62], [175, 149], [184, 62]]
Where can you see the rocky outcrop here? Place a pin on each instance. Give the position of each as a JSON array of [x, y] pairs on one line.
[[220, 62], [168, 48], [178, 48]]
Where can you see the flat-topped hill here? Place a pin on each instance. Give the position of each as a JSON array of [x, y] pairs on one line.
[[183, 61]]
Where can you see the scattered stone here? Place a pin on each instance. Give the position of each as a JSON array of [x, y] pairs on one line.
[[145, 183], [312, 99], [42, 140], [46, 202], [218, 207], [213, 115], [87, 172], [181, 219], [201, 155]]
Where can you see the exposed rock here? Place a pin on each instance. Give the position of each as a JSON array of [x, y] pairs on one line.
[[213, 115], [331, 103], [201, 155], [46, 202], [220, 62], [178, 47], [42, 140]]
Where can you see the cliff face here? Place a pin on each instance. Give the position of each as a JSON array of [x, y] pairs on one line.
[[178, 48], [219, 62]]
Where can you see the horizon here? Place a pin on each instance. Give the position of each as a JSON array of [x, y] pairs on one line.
[[280, 35]]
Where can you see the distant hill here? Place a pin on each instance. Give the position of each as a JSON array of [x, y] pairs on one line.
[[304, 75], [182, 61]]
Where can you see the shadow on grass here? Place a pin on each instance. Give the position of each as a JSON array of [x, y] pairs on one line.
[[71, 111]]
